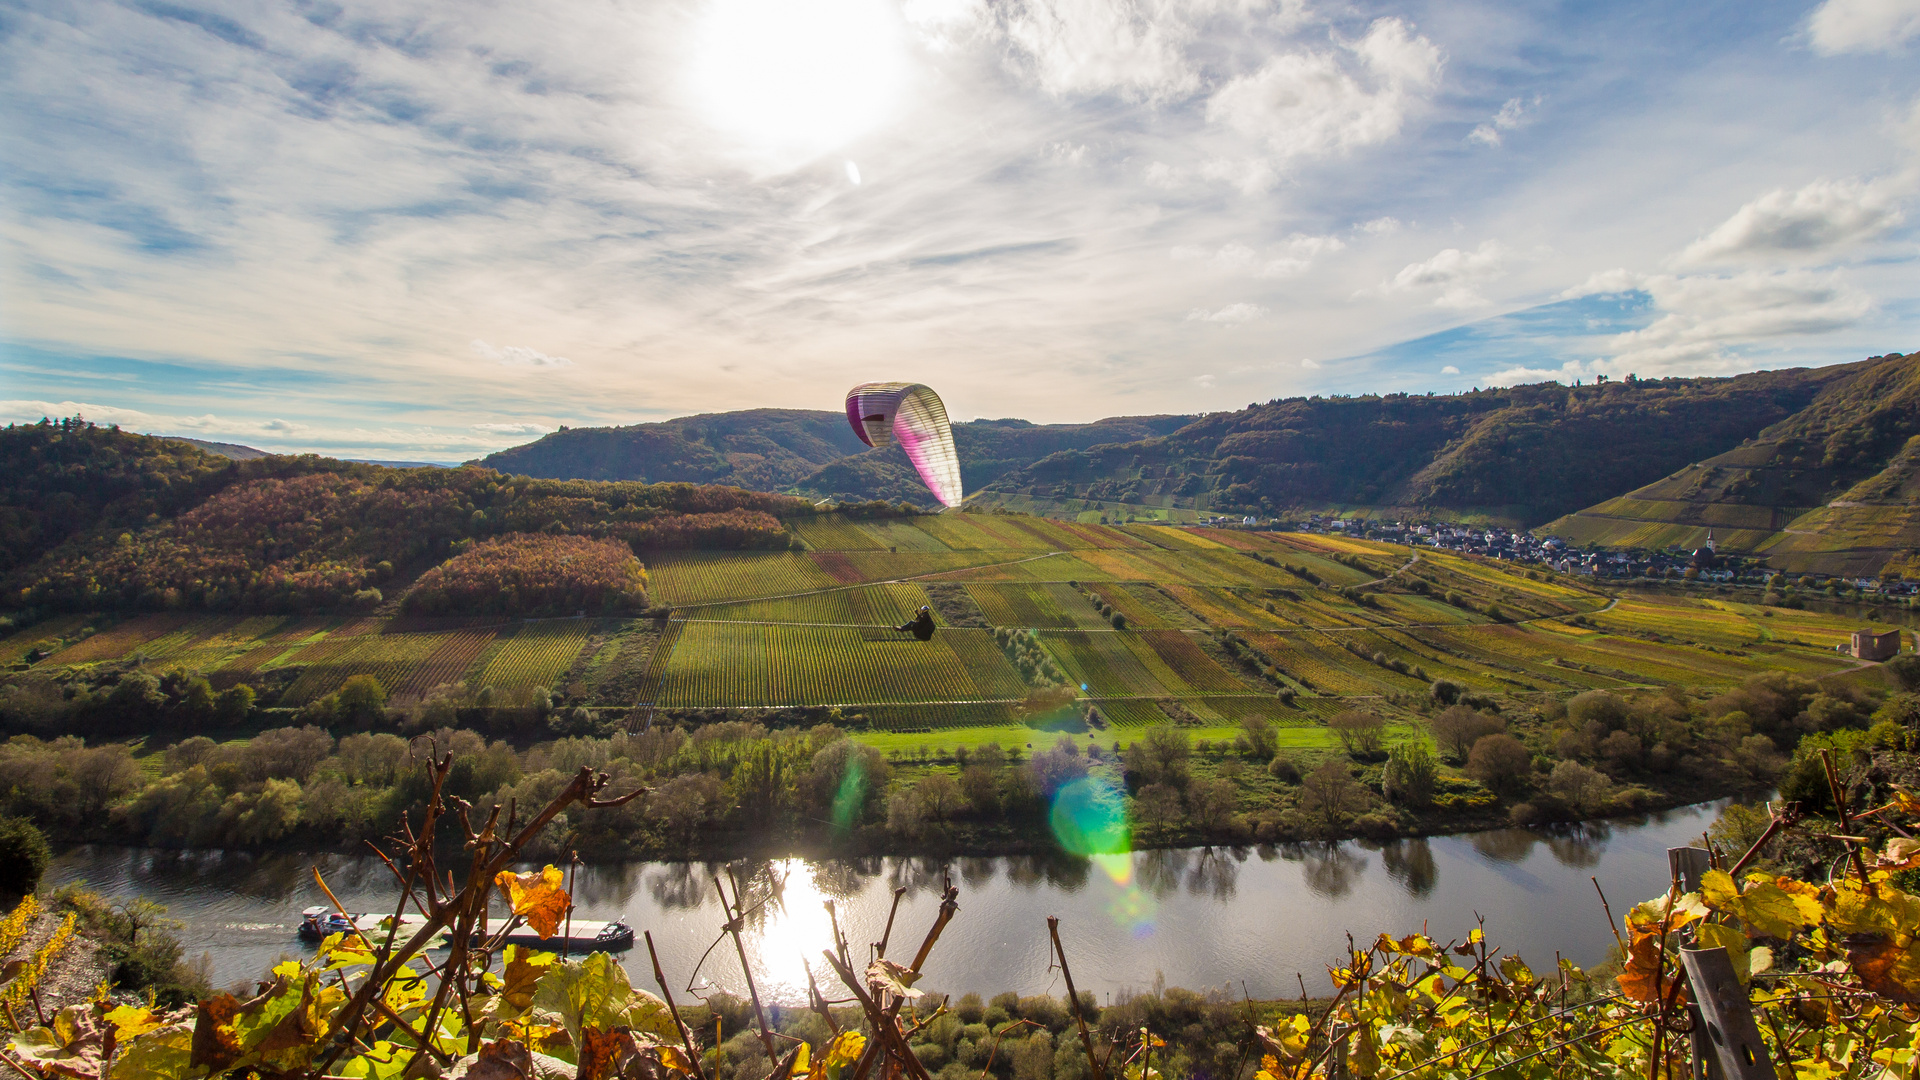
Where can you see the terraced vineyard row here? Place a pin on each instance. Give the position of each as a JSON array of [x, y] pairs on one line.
[[16, 646], [878, 605], [389, 658], [732, 664], [118, 641], [1053, 605], [537, 654], [448, 663]]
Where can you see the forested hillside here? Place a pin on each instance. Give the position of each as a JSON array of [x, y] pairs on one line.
[[761, 449], [1829, 489], [1524, 455], [807, 452], [100, 519], [989, 449], [64, 478]]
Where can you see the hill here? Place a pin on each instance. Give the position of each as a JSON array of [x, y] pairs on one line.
[[235, 451], [759, 449], [64, 478], [807, 452], [988, 449], [1830, 489], [100, 519], [1521, 455]]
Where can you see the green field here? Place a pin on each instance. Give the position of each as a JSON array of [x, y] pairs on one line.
[[761, 630]]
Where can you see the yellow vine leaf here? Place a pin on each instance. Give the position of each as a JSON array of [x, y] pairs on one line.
[[842, 1053], [1732, 939], [536, 897]]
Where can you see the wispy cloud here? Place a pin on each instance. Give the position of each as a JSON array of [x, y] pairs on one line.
[[519, 356], [1816, 221], [1232, 314], [1863, 26], [1509, 117], [1454, 274]]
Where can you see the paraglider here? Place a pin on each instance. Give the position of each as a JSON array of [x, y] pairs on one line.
[[911, 413]]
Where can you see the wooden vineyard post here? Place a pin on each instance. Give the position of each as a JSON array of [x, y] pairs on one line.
[[1688, 865], [1728, 1015], [1073, 998]]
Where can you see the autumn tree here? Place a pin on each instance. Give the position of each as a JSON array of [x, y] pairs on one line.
[[1330, 793], [1359, 731], [1458, 727]]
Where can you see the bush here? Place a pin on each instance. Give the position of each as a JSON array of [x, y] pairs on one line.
[[1501, 762], [1460, 726], [23, 855], [1359, 732], [1410, 774]]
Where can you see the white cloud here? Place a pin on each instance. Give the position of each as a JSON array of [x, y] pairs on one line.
[[1320, 103], [1291, 256], [1508, 118], [1455, 273], [1205, 382], [1309, 364], [1705, 319], [510, 429], [1298, 254], [1449, 370], [1103, 46], [1604, 282], [1380, 226], [519, 356], [1708, 314], [1816, 220], [1844, 26], [1231, 314]]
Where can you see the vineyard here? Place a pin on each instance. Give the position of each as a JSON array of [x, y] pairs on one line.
[[536, 654], [720, 664], [1128, 613], [390, 658]]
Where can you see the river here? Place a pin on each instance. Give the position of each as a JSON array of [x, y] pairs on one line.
[[1199, 918]]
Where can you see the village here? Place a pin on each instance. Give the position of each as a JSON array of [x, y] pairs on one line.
[[1552, 552]]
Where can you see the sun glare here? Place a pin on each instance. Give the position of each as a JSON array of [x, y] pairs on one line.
[[798, 77], [793, 935]]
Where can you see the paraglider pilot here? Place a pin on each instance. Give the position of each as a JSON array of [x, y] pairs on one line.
[[920, 626]]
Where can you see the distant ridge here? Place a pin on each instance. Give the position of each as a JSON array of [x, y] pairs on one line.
[[237, 452], [1518, 456], [808, 452], [225, 449], [1831, 489]]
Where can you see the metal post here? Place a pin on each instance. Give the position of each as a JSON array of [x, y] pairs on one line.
[[1728, 1015], [1688, 865]]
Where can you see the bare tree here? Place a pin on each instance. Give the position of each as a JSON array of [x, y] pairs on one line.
[[1360, 732], [1330, 793]]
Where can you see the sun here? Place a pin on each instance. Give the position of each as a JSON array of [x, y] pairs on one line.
[[797, 78]]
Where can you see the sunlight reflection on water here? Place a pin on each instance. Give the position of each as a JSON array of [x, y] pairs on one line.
[[1199, 917]]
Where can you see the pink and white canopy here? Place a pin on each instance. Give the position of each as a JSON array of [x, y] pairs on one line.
[[912, 414]]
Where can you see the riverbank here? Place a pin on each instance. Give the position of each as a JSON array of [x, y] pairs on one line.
[[1195, 917]]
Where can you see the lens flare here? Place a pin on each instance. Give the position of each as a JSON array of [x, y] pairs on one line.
[[851, 796], [1090, 818]]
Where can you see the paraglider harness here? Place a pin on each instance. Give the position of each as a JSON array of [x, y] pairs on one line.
[[920, 626]]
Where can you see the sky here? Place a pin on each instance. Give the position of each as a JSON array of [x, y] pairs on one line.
[[425, 230]]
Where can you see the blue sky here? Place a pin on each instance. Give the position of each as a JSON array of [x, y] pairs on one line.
[[427, 230]]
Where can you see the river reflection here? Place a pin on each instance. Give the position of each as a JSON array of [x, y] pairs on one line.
[[1198, 917]]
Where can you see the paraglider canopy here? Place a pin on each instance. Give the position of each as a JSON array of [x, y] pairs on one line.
[[912, 414]]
